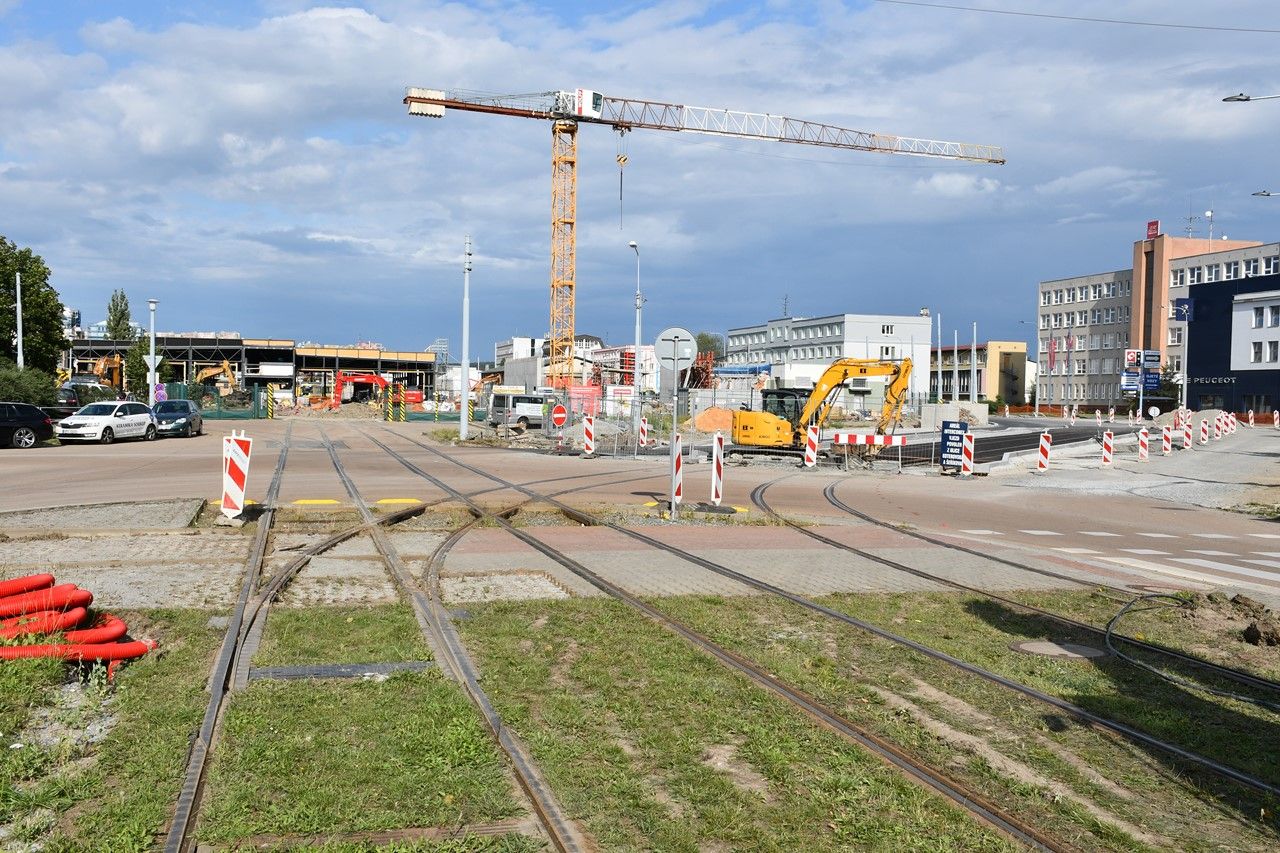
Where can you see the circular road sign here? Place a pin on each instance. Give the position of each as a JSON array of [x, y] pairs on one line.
[[559, 414], [1154, 411], [675, 348]]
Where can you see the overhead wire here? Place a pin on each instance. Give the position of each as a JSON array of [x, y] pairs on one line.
[[1081, 18]]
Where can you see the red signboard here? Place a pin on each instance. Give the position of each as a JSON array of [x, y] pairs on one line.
[[559, 415], [1153, 229]]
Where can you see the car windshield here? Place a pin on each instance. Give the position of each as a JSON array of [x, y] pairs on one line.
[[97, 409], [174, 407]]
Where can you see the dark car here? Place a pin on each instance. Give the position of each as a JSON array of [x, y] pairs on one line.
[[74, 396], [179, 417], [23, 425]]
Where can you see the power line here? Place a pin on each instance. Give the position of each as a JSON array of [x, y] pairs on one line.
[[1081, 19]]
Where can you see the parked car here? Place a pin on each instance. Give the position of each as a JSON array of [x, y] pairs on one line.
[[23, 425], [73, 396], [105, 422], [179, 417]]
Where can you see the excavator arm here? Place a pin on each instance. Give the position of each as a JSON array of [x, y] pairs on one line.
[[818, 407]]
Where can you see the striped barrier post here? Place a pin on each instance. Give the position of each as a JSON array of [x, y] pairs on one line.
[[1108, 447], [1233, 422], [717, 468], [1217, 428], [1275, 419], [588, 435], [1143, 446], [271, 402], [811, 446], [1111, 415], [1046, 443], [1204, 431], [1066, 412], [236, 451], [1072, 422], [644, 432], [1251, 417], [1097, 416], [966, 458], [677, 473], [1166, 440], [1186, 434], [1006, 410], [471, 410]]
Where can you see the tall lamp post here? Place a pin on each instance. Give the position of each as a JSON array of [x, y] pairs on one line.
[[151, 365], [635, 367], [22, 362], [464, 409]]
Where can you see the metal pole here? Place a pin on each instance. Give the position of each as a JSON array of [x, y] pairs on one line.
[[939, 358], [955, 365], [973, 366], [635, 366], [151, 368], [464, 408], [22, 362]]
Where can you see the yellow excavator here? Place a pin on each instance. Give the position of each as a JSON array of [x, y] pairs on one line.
[[223, 369], [785, 413]]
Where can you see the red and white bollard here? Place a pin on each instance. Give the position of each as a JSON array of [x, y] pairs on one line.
[[1275, 419], [1232, 423], [1097, 415], [1006, 410], [1251, 417], [811, 447], [1204, 431], [1217, 428], [1186, 434], [588, 435], [644, 432], [966, 457], [1166, 440], [1143, 445], [677, 472], [1042, 461], [717, 469], [1111, 415], [1108, 447]]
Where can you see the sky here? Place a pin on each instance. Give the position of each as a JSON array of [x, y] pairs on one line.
[[252, 167]]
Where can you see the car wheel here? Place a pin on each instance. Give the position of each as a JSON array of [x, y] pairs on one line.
[[24, 437], [150, 434], [107, 436]]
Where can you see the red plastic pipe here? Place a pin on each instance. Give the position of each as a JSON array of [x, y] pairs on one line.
[[108, 629], [80, 652], [17, 586], [60, 597], [44, 622]]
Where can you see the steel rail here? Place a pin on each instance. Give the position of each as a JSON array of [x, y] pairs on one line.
[[1082, 714], [917, 771], [1221, 670]]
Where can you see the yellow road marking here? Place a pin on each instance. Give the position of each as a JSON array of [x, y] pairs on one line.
[[399, 501], [741, 509], [315, 501], [650, 503]]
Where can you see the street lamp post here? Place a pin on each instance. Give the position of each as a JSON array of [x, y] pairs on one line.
[[151, 365], [22, 362], [635, 367], [464, 410]]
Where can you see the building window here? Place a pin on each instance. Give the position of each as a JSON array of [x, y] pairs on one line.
[[1081, 365], [1175, 363], [1095, 342], [1175, 337], [1082, 293], [1124, 313], [1273, 351], [1230, 270], [1257, 317], [1251, 267], [1273, 315], [1111, 289], [1126, 287], [1095, 316], [1212, 272], [886, 330], [1255, 354], [887, 353], [1070, 295], [1093, 367], [1178, 278], [1044, 321], [1095, 291], [1195, 275], [1109, 315]]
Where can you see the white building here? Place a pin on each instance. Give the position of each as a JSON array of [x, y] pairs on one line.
[[517, 347], [613, 372], [798, 349]]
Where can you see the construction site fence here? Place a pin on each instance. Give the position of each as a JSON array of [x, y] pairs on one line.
[[245, 404]]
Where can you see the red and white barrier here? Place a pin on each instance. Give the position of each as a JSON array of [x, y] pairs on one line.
[[717, 469], [236, 449], [588, 435], [1166, 440], [1186, 434], [644, 432], [966, 455], [869, 439], [1204, 430], [1097, 415], [1046, 443], [1143, 445], [1275, 419], [811, 447], [1006, 410], [1108, 447], [677, 471], [1232, 423], [1251, 417], [1217, 428], [1111, 415]]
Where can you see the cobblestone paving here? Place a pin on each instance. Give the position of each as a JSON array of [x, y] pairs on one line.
[[114, 516], [499, 587], [157, 586], [334, 580], [126, 549]]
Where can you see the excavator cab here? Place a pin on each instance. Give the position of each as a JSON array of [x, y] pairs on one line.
[[777, 422]]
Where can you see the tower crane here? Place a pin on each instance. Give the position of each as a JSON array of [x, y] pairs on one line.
[[566, 109]]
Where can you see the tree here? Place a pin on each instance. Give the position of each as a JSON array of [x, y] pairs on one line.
[[42, 340], [26, 386], [710, 342], [119, 320]]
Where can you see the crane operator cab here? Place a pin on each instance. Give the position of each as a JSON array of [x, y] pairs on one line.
[[580, 103]]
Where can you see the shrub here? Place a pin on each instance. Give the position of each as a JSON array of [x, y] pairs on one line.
[[27, 386]]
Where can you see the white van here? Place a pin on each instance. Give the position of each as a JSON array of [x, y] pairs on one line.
[[523, 410]]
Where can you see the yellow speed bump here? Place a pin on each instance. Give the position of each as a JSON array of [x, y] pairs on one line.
[[399, 501], [315, 501]]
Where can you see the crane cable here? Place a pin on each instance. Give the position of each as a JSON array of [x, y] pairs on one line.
[[622, 161]]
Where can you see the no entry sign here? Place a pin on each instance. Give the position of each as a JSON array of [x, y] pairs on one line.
[[559, 415]]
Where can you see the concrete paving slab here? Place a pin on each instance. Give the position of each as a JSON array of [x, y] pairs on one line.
[[106, 516]]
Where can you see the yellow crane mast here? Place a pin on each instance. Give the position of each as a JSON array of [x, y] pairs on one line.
[[566, 109]]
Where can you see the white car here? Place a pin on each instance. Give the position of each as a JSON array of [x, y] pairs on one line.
[[105, 422]]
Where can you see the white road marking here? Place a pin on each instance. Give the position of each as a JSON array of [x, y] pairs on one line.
[[1040, 532], [1266, 535], [1097, 533], [1212, 536], [1169, 571], [1266, 553], [1077, 551], [1231, 567], [1271, 564], [983, 532], [1211, 553], [1158, 535], [1146, 552]]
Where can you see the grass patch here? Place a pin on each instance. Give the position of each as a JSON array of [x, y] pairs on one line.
[[1148, 799], [657, 747], [328, 756], [116, 795], [352, 634]]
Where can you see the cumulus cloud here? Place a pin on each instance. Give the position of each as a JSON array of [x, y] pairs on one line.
[[956, 185]]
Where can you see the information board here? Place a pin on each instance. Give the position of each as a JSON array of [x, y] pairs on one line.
[[953, 442]]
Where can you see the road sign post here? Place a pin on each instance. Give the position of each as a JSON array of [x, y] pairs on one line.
[[675, 348]]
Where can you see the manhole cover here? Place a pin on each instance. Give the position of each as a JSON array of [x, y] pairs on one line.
[[1069, 651]]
